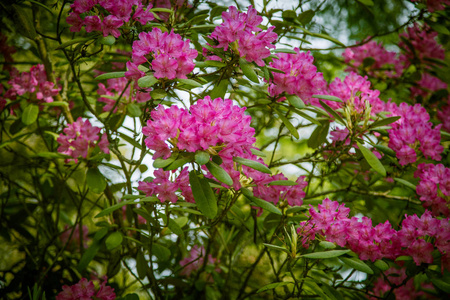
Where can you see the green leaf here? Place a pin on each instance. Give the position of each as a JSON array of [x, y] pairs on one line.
[[272, 286], [161, 252], [95, 180], [407, 183], [295, 101], [381, 264], [384, 122], [51, 155], [161, 163], [134, 110], [319, 135], [175, 228], [41, 5], [74, 41], [178, 163], [203, 195], [327, 245], [113, 240], [328, 97], [158, 94], [331, 292], [307, 117], [336, 116], [366, 2], [252, 164], [288, 124], [110, 209], [110, 75], [440, 284], [100, 234], [210, 63], [132, 296], [326, 254], [23, 21], [141, 265], [107, 40], [264, 205], [314, 287], [220, 89], [306, 17], [323, 36], [278, 248], [219, 173], [385, 150], [189, 82], [147, 81], [356, 264], [88, 256], [55, 103], [130, 140], [202, 157], [248, 71], [30, 114], [283, 182], [257, 152], [373, 161]]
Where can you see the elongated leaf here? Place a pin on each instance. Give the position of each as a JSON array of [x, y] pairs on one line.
[[134, 110], [202, 157], [252, 164], [384, 122], [189, 82], [319, 135], [52, 155], [95, 180], [147, 81], [141, 265], [23, 20], [283, 182], [265, 205], [307, 117], [366, 2], [336, 116], [158, 94], [314, 287], [41, 5], [130, 140], [55, 103], [278, 248], [203, 195], [178, 163], [175, 228], [288, 124], [327, 245], [380, 264], [405, 182], [110, 75], [30, 114], [326, 254], [295, 101], [219, 173], [110, 209], [272, 286], [328, 97], [74, 41], [258, 153], [161, 163], [88, 256], [220, 89], [210, 63], [331, 292], [373, 161], [356, 264], [113, 240], [107, 40], [160, 251], [385, 150], [440, 284], [248, 71]]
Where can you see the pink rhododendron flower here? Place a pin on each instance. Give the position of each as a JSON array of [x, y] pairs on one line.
[[434, 5], [85, 290], [434, 187]]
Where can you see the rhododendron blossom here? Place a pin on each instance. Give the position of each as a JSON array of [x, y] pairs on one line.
[[434, 187], [427, 85], [85, 289], [240, 32], [195, 260], [80, 138]]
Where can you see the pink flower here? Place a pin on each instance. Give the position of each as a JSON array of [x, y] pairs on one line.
[[93, 23], [110, 26], [143, 16], [82, 6], [164, 66], [76, 22], [133, 72], [47, 91]]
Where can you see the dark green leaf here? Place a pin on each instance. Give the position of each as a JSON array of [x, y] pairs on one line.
[[278, 248], [272, 286], [74, 41], [88, 255], [141, 265], [189, 82], [265, 205], [385, 150], [314, 287], [440, 284], [113, 240], [203, 195], [373, 161], [178, 163], [366, 2], [175, 228], [161, 163], [110, 75], [134, 110], [336, 116], [220, 89], [252, 164], [327, 245], [283, 182], [407, 183], [158, 94], [248, 71], [384, 122], [100, 234], [95, 180], [160, 251], [319, 135], [130, 140], [219, 173], [356, 264], [306, 17], [30, 114], [326, 254]]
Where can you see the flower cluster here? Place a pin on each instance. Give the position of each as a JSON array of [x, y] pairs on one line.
[[80, 138], [165, 188], [427, 85], [33, 83], [434, 5], [84, 290], [85, 13], [374, 59], [116, 87], [424, 45], [380, 241], [414, 132], [195, 260], [434, 187], [274, 193], [300, 76], [241, 33], [444, 115], [168, 55], [71, 238], [393, 279]]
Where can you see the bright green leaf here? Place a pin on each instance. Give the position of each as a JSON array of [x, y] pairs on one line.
[[110, 75], [202, 157], [113, 240], [326, 254], [147, 81], [95, 180], [219, 173], [30, 114], [272, 286], [252, 164], [295, 101], [248, 71], [327, 97], [373, 161], [356, 264]]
